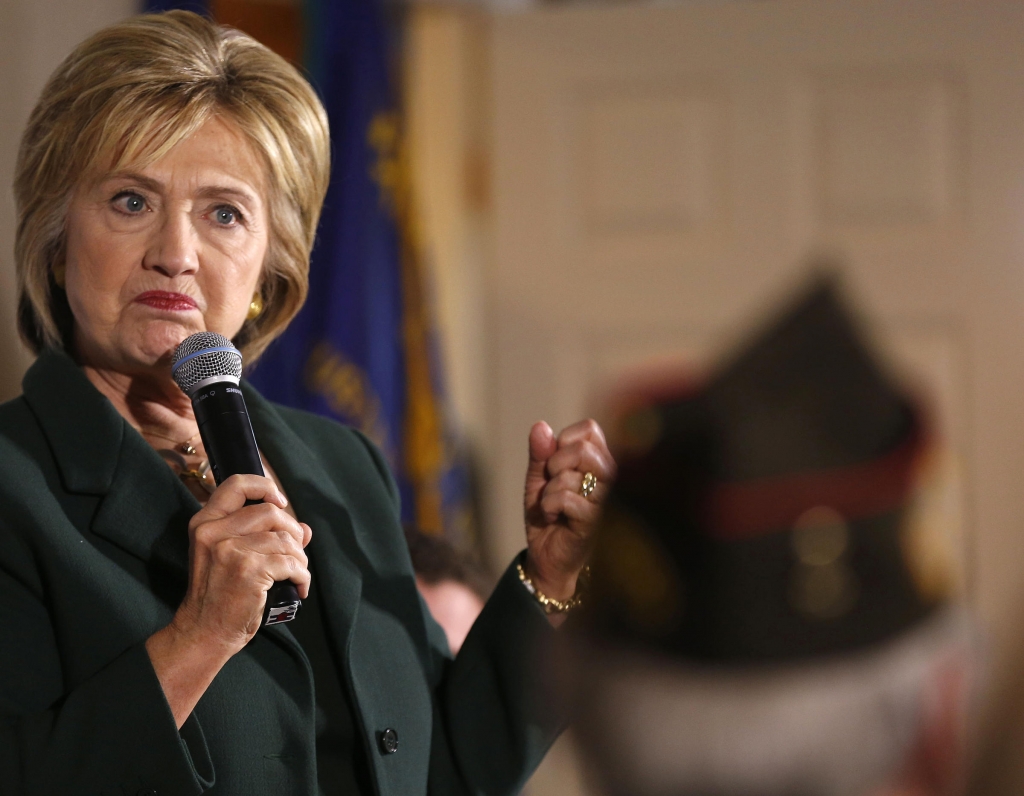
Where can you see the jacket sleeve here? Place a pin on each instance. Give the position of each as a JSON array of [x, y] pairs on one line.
[[113, 733], [491, 725]]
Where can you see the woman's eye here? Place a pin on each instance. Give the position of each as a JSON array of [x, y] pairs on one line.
[[130, 203], [226, 215]]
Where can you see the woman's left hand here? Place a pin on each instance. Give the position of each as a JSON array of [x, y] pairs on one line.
[[559, 519]]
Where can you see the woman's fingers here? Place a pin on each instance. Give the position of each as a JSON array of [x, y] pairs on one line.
[[542, 444], [257, 519], [588, 429], [559, 518], [581, 449], [584, 455], [273, 542], [262, 559], [572, 481], [569, 504], [288, 567], [258, 530], [233, 494], [238, 552]]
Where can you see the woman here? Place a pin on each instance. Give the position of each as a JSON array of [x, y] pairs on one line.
[[170, 181]]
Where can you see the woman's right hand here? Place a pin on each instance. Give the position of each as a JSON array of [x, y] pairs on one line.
[[236, 553]]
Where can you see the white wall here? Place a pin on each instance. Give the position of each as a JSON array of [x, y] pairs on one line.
[[34, 36]]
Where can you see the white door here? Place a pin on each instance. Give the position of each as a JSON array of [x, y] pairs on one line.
[[663, 173]]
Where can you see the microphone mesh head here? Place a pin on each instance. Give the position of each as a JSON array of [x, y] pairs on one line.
[[194, 361]]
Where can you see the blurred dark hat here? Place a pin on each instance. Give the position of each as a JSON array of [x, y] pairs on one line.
[[768, 515]]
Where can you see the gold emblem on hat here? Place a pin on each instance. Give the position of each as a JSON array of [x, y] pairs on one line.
[[822, 585], [636, 572], [928, 526]]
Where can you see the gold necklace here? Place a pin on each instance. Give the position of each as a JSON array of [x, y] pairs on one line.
[[201, 472], [185, 447]]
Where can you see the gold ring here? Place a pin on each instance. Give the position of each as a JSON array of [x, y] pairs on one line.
[[589, 483]]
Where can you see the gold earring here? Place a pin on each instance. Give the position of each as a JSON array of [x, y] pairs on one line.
[[59, 274], [255, 306]]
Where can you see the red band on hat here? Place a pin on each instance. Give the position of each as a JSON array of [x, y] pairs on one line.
[[754, 508]]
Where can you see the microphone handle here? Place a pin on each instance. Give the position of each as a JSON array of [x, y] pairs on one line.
[[231, 447]]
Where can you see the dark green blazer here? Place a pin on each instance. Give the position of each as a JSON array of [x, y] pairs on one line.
[[93, 560]]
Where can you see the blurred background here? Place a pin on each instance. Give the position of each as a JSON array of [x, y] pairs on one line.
[[592, 188]]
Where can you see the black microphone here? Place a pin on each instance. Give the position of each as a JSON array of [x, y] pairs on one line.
[[208, 368]]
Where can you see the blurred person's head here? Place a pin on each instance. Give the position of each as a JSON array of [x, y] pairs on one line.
[[450, 582], [771, 610]]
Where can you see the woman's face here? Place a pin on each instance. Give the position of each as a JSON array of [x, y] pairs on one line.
[[156, 254]]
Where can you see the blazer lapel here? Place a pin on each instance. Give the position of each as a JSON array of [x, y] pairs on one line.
[[333, 549], [147, 509], [144, 509]]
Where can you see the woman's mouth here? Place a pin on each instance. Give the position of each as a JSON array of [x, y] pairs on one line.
[[170, 302]]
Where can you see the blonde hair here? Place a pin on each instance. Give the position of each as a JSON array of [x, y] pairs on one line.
[[124, 98]]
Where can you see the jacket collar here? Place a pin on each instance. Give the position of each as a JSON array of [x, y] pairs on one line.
[[145, 509], [84, 429]]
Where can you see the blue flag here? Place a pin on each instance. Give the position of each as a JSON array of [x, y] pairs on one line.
[[198, 6], [362, 349], [344, 354]]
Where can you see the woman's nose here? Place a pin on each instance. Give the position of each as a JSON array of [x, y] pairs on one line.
[[174, 248]]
